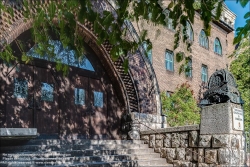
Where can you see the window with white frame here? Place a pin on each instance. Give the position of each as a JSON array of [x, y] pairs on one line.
[[148, 50], [204, 73], [169, 60], [217, 46], [203, 40]]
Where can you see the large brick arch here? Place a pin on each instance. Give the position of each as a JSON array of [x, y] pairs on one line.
[[138, 88]]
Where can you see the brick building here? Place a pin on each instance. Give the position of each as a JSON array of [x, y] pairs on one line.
[[207, 53]]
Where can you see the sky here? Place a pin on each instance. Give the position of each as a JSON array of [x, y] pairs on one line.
[[239, 11]]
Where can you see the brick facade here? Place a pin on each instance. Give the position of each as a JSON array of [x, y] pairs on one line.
[[169, 80]]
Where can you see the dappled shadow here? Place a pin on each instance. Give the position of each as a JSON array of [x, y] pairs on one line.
[[49, 101], [52, 108]]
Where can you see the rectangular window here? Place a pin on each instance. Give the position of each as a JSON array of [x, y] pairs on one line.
[[189, 68], [204, 73], [79, 96], [169, 60], [47, 92], [98, 99], [20, 88]]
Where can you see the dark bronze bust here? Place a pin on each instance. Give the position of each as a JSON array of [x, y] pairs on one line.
[[221, 88]]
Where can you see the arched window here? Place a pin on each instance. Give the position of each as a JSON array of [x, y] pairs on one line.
[[63, 55], [204, 73], [190, 31], [203, 41], [217, 46], [169, 60], [148, 50]]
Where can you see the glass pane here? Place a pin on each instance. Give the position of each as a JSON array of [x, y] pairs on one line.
[[63, 55], [98, 99], [79, 96], [20, 88], [47, 92]]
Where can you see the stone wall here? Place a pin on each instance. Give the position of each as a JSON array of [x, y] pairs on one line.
[[217, 141], [185, 146]]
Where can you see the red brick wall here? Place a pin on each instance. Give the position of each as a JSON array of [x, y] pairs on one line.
[[168, 80]]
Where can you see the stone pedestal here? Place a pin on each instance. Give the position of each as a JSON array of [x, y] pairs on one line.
[[219, 121]]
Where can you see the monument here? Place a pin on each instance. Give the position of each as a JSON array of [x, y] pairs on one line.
[[222, 117]]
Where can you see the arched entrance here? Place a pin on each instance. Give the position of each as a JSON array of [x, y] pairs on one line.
[[83, 104]]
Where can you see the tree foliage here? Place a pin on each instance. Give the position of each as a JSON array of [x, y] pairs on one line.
[[181, 108], [240, 68], [242, 32], [63, 17]]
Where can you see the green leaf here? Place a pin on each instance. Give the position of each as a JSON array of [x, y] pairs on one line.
[[24, 57], [126, 65], [171, 5], [247, 15], [143, 34], [113, 53], [97, 28], [10, 11], [243, 3], [179, 56], [218, 10], [108, 19], [52, 10]]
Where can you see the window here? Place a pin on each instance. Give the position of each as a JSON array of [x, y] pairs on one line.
[[148, 49], [189, 31], [169, 60], [203, 41], [217, 46], [98, 99], [20, 88], [47, 92], [189, 68], [204, 73], [79, 96], [169, 21], [64, 55]]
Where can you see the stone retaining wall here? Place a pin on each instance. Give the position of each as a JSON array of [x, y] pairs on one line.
[[184, 146]]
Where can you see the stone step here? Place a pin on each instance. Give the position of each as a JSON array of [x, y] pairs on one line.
[[71, 147], [47, 157], [146, 163], [86, 152], [85, 159], [79, 141]]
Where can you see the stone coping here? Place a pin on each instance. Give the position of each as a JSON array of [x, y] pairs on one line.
[[17, 132], [172, 129]]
